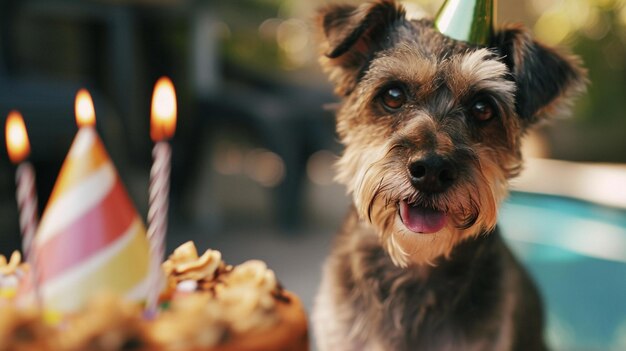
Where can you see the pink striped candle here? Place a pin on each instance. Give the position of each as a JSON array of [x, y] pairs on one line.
[[162, 127], [18, 147]]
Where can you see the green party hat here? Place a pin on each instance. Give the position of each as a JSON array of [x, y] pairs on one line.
[[467, 20]]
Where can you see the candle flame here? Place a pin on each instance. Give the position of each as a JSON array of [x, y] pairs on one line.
[[163, 117], [83, 107], [17, 138]]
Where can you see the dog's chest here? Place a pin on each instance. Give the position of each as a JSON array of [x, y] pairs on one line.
[[454, 306], [428, 319], [386, 327]]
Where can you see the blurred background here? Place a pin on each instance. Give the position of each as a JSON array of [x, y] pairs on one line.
[[254, 148]]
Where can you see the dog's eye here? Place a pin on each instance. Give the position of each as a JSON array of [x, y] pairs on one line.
[[482, 110], [393, 98]]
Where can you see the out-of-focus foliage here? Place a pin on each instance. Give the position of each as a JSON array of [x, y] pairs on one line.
[[596, 29]]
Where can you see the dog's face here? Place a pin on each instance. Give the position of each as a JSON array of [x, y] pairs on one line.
[[432, 126]]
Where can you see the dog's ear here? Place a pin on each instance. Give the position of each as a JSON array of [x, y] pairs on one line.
[[545, 78], [351, 37]]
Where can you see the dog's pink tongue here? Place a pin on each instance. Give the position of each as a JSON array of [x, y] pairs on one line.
[[421, 219]]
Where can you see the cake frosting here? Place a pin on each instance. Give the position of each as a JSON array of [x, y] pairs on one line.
[[11, 273], [213, 303]]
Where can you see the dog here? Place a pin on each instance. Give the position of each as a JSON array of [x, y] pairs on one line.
[[431, 128]]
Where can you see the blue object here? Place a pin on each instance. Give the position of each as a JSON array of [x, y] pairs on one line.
[[576, 252]]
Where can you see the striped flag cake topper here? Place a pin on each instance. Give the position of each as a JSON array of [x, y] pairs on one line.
[[91, 238]]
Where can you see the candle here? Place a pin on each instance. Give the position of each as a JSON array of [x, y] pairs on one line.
[[18, 147], [162, 127]]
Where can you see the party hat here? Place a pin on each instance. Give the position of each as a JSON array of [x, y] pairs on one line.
[[91, 238], [467, 20]]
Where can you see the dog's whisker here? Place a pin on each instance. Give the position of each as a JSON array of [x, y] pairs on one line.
[[377, 192]]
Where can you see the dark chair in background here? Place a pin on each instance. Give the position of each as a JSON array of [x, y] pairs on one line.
[[51, 48]]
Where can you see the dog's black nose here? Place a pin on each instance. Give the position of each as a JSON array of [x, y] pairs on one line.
[[432, 173]]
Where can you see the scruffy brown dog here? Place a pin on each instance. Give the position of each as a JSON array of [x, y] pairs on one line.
[[431, 128]]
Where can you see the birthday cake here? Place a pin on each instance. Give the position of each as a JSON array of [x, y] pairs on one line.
[[207, 305], [94, 280]]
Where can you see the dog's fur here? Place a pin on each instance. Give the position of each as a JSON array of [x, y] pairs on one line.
[[385, 287]]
